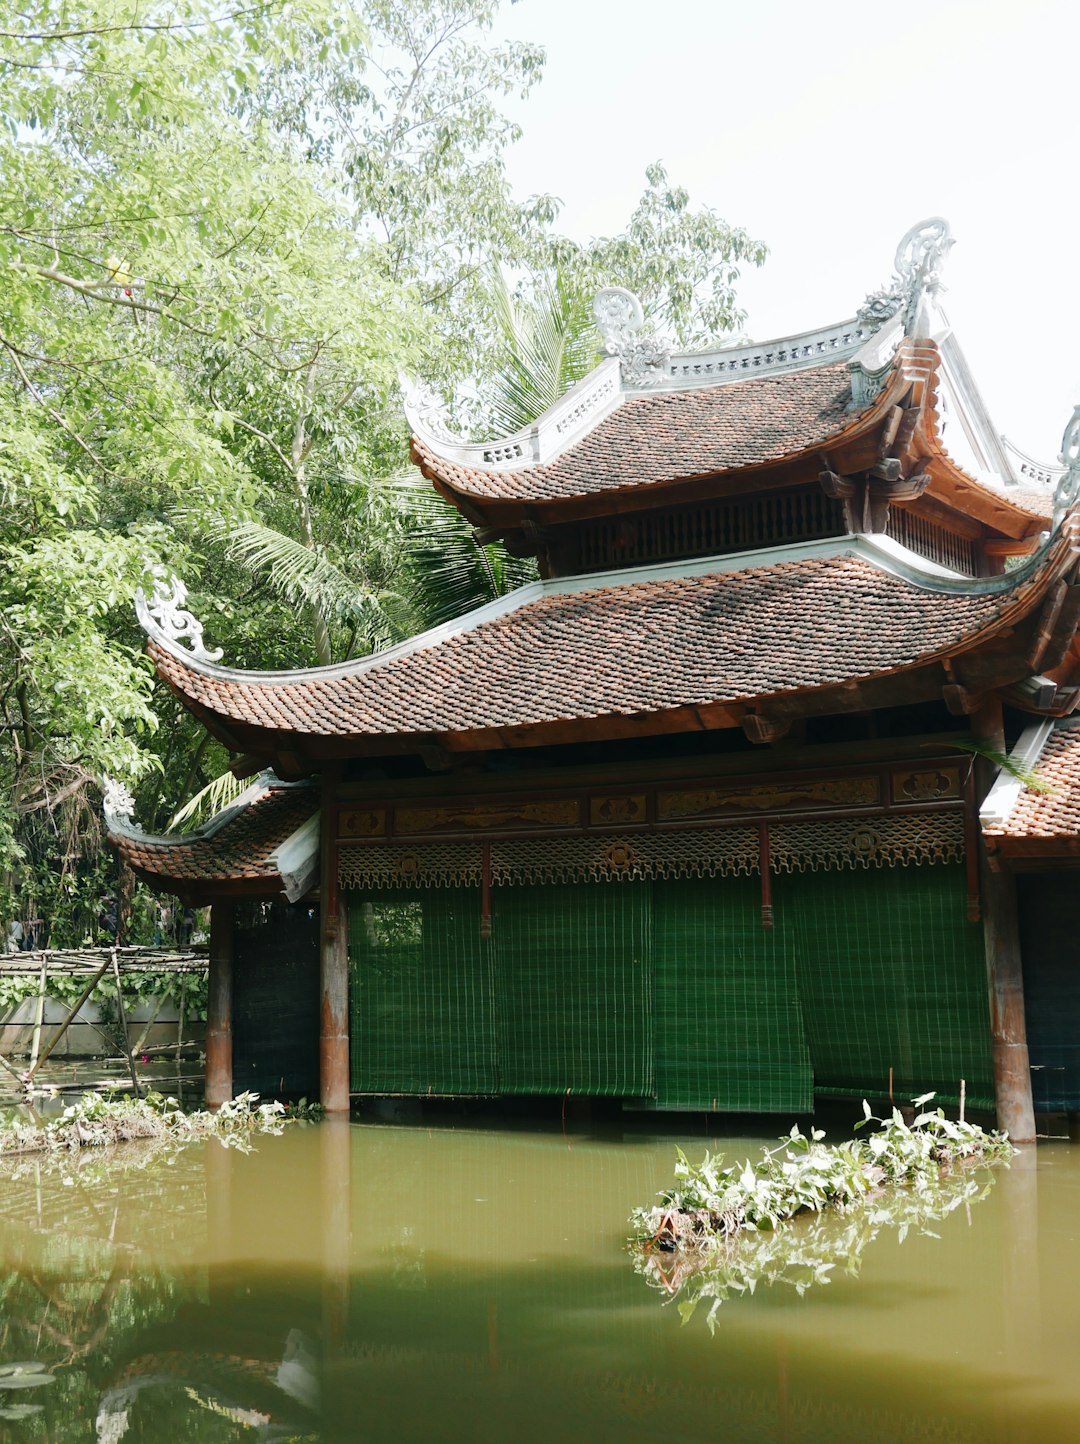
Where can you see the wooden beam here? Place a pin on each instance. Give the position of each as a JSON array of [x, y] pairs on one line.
[[246, 765], [219, 1008], [1004, 966], [763, 729], [91, 985], [333, 962], [122, 1014]]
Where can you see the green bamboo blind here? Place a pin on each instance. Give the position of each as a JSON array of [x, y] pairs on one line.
[[891, 975], [573, 1010], [671, 990], [728, 1025], [422, 998]]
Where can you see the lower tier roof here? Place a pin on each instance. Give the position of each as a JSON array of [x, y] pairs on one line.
[[233, 854], [1036, 815]]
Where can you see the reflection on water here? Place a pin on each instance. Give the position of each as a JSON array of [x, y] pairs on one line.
[[378, 1283], [805, 1254]]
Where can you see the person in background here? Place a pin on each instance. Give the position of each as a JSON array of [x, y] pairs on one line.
[[15, 936], [107, 919], [162, 921], [186, 928]]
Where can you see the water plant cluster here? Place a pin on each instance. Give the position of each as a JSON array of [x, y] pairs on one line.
[[97, 1119], [722, 1230]]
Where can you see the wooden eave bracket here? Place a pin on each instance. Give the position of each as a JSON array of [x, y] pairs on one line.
[[1011, 546], [762, 729], [246, 765], [960, 700]]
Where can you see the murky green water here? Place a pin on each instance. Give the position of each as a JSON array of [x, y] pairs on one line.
[[406, 1284]]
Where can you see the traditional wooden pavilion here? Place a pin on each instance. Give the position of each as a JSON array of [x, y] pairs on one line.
[[692, 820]]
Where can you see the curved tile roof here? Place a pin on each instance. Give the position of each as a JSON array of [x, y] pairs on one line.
[[640, 646], [1054, 813], [673, 435], [238, 851]]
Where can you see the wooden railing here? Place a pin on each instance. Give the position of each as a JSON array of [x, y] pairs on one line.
[[934, 542]]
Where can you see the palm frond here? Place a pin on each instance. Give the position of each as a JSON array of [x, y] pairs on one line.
[[548, 344], [218, 793], [295, 573], [446, 571], [1003, 762]]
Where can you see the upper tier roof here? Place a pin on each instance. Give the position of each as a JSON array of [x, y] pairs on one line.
[[661, 648], [673, 434], [647, 418]]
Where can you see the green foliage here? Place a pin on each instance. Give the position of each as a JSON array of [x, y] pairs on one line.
[[1004, 762], [807, 1256], [548, 343], [682, 263], [97, 1119], [223, 232], [709, 1221]]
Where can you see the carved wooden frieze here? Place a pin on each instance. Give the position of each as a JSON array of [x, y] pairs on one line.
[[769, 797], [362, 822], [617, 811], [485, 816], [931, 784]]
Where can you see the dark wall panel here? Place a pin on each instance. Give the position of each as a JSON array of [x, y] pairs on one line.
[[1050, 945], [276, 1001]]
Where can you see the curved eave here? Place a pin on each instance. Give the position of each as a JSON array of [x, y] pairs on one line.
[[310, 715], [235, 854], [951, 486]]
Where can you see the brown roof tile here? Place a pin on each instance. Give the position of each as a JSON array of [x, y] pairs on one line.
[[676, 434], [639, 647], [1056, 813], [239, 850]]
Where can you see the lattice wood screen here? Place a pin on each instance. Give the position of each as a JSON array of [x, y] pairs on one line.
[[887, 840]]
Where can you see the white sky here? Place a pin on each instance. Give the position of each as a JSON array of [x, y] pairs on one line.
[[827, 128]]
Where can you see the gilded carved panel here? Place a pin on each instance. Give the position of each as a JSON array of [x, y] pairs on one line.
[[483, 816], [932, 784], [362, 822], [769, 797], [617, 811]]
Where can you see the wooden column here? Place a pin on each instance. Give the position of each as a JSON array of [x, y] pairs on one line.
[[1005, 975], [334, 963], [219, 1005]]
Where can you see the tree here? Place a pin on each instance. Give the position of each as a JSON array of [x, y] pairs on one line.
[[176, 349], [223, 231]]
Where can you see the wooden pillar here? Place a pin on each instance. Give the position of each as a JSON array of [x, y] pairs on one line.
[[219, 1005], [1005, 975], [333, 962]]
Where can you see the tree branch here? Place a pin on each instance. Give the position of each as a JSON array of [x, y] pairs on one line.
[[56, 415]]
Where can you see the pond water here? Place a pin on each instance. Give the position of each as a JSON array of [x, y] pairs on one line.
[[367, 1282]]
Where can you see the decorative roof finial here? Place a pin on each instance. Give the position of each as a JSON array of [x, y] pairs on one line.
[[166, 606], [644, 358], [916, 282], [119, 805], [1068, 488], [424, 409]]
